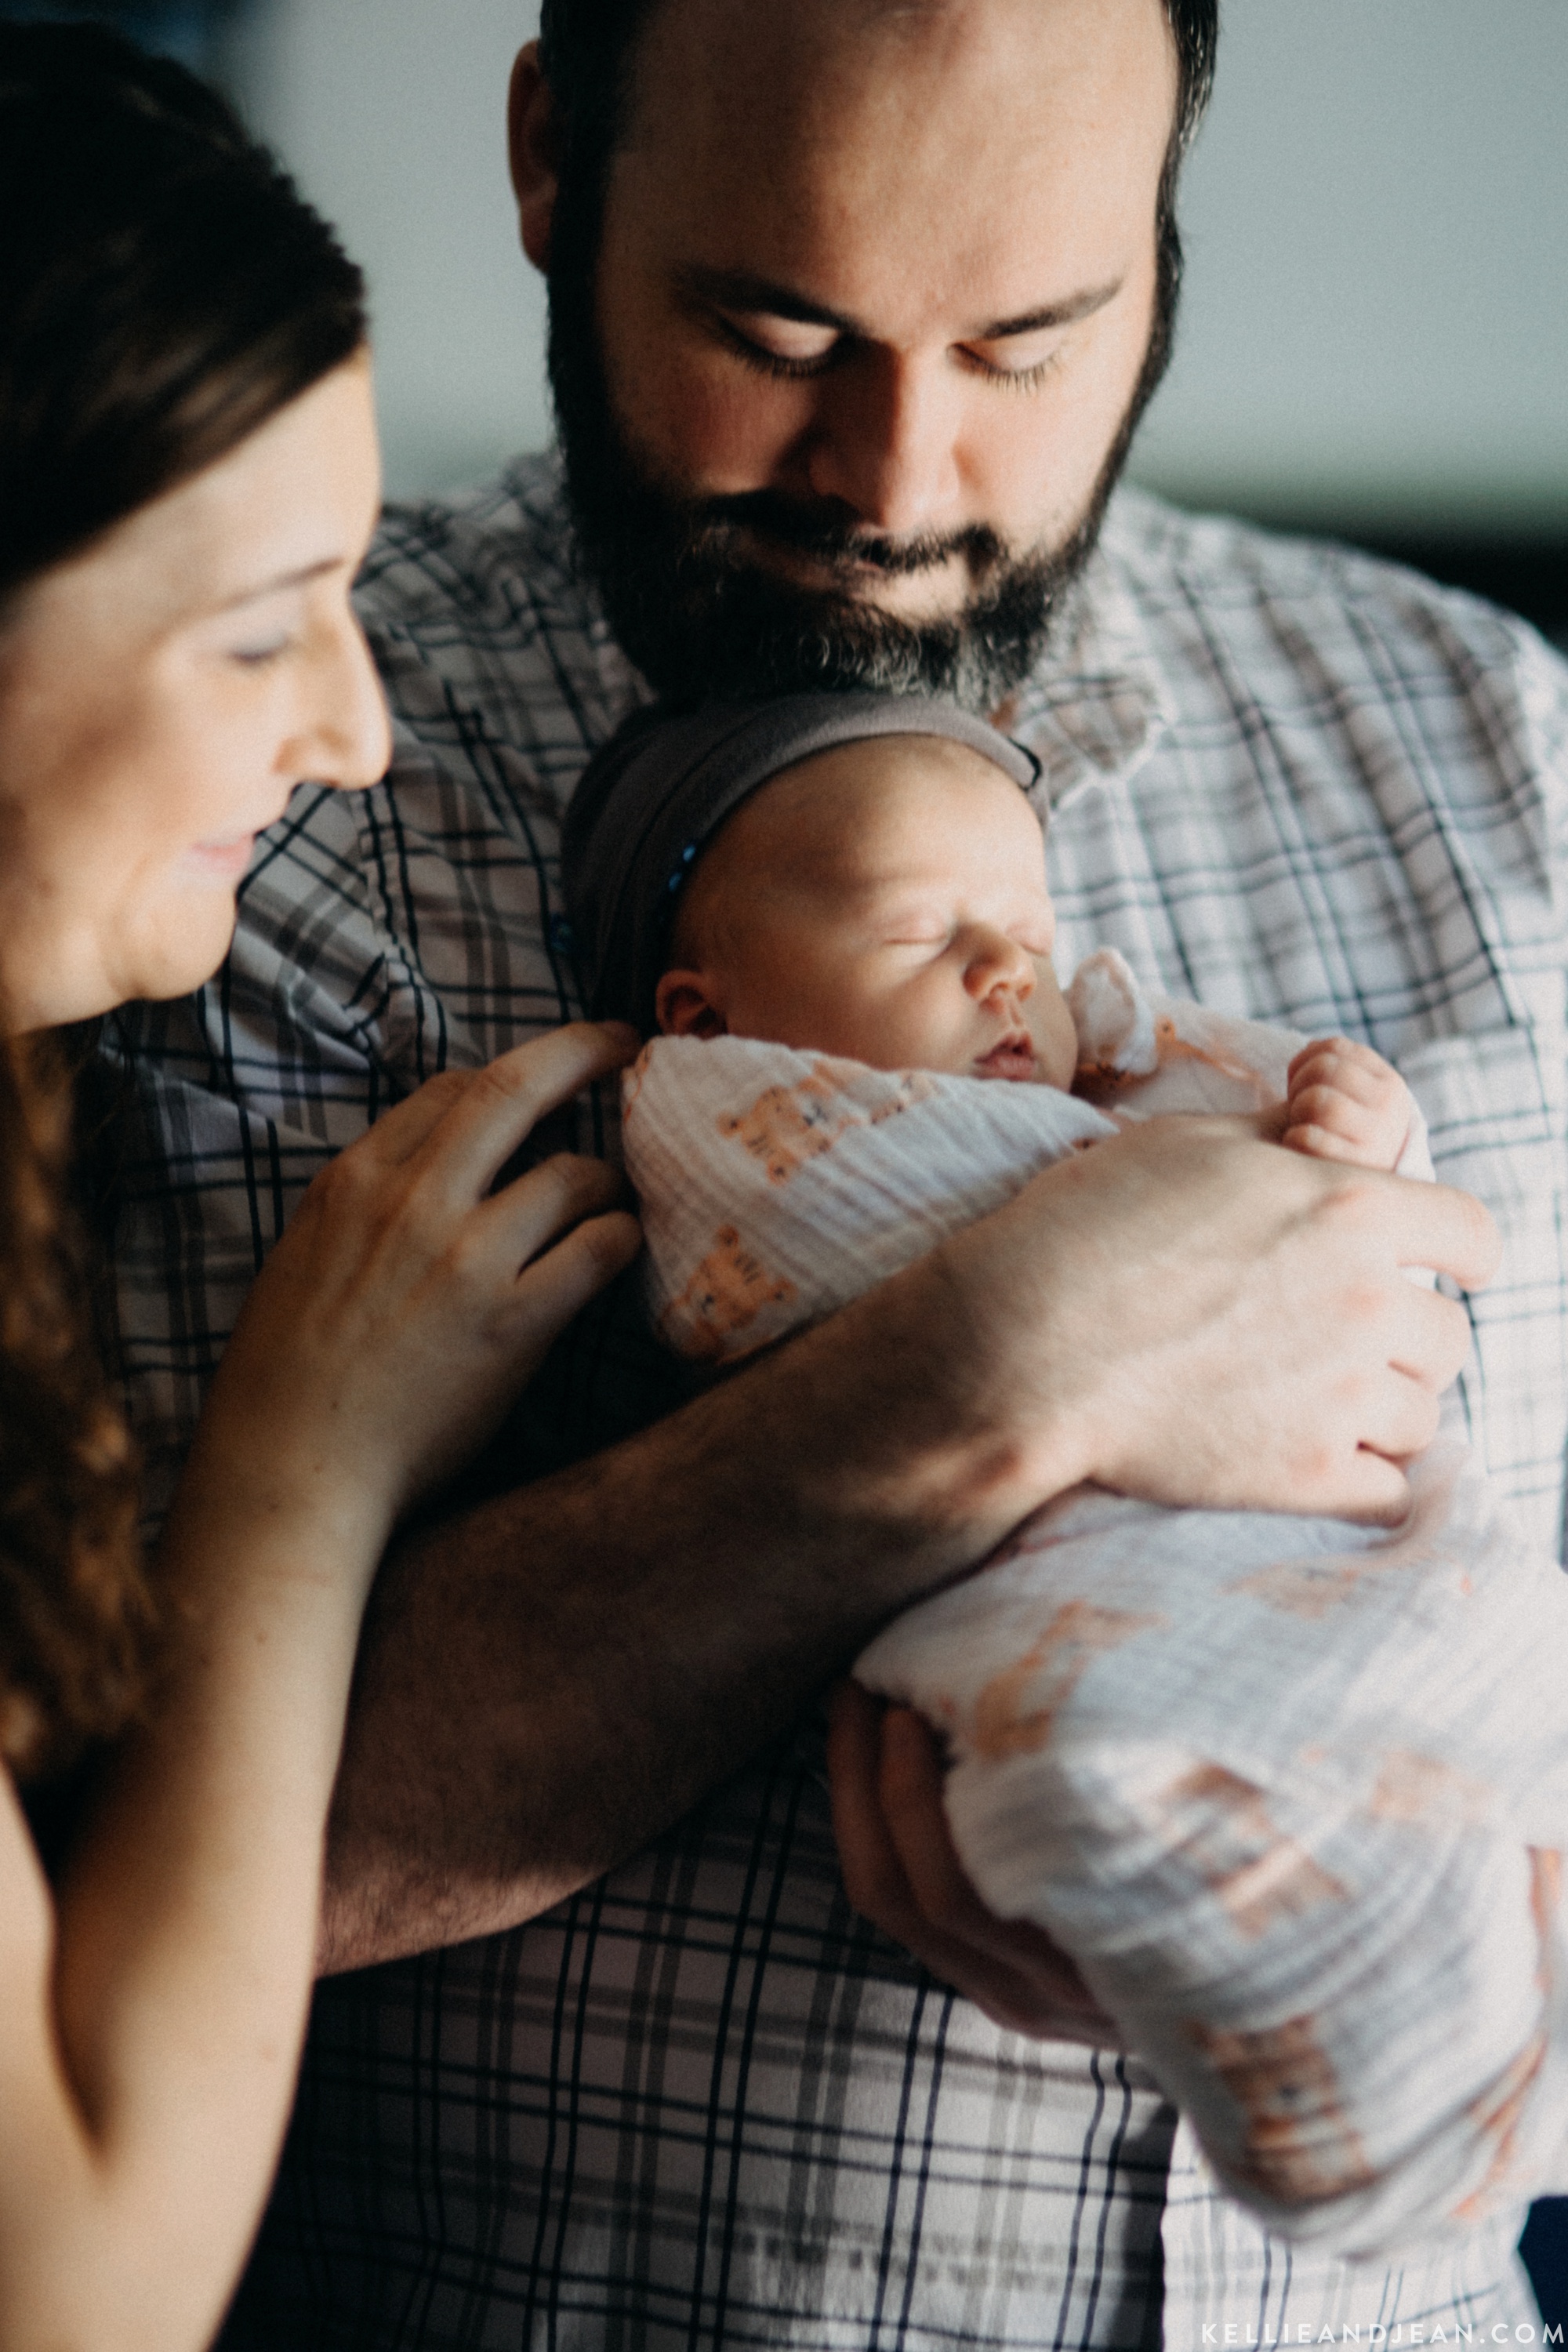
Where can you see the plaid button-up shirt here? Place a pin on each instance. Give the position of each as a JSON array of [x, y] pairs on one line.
[[702, 2103]]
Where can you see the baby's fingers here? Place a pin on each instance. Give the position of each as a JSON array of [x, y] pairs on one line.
[[1321, 1141], [1349, 1069], [1330, 1112]]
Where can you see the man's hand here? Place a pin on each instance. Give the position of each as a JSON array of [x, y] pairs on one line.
[[1189, 1313], [1184, 1312], [900, 1869]]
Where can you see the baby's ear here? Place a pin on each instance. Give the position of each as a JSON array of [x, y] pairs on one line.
[[685, 1009]]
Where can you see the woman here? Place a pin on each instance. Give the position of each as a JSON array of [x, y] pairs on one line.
[[188, 481]]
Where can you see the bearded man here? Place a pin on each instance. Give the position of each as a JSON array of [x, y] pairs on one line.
[[854, 305]]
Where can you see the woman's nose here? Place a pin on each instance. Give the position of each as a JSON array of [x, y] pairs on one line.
[[346, 738], [997, 964]]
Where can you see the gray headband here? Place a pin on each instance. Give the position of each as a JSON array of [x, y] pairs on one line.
[[655, 795]]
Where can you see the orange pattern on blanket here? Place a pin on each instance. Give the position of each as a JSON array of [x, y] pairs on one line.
[[1100, 1082], [1298, 2144], [1076, 1636], [1222, 1828], [1410, 1787], [1310, 1587], [728, 1291], [1496, 2113], [787, 1126]]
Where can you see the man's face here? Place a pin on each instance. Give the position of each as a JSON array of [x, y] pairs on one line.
[[875, 291]]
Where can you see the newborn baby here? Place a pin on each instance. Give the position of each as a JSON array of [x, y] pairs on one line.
[[885, 901], [1227, 1761]]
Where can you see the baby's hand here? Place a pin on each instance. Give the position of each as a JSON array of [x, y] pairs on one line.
[[1345, 1102]]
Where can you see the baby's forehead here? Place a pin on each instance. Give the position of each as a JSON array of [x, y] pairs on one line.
[[865, 803]]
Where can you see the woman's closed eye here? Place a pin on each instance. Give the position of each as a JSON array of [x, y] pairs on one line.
[[258, 655]]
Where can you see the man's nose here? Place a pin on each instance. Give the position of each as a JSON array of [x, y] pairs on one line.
[[996, 965], [884, 443]]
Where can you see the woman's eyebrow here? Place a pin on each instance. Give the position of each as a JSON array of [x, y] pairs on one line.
[[299, 577], [741, 289]]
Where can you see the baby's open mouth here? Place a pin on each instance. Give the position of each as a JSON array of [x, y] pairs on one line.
[[1013, 1058]]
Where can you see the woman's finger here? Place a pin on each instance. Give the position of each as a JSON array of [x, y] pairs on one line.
[[558, 1285], [503, 1103], [399, 1132], [514, 1226]]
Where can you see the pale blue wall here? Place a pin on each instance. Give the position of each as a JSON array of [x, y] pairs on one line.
[[1377, 221], [1377, 225]]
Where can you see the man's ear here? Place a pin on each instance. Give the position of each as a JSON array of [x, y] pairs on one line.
[[535, 138], [684, 1007]]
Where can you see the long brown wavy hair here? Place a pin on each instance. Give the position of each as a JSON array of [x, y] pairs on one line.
[[76, 1613], [163, 292]]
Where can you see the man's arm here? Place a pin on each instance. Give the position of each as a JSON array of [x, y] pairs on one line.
[[1194, 1315]]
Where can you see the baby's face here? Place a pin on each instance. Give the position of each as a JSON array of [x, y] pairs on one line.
[[885, 901]]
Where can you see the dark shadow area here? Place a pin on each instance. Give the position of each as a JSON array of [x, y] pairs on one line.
[[194, 31], [1544, 2247], [1529, 575]]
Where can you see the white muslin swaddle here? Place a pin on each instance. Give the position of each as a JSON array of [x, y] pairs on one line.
[[1291, 1793]]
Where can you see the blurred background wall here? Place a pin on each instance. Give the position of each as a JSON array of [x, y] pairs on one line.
[[1375, 337], [1376, 219]]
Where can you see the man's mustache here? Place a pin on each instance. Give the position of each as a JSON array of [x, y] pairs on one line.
[[832, 541]]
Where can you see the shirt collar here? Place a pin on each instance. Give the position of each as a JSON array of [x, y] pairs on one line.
[[1098, 703]]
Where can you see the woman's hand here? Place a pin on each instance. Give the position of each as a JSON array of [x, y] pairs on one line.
[[407, 1305], [148, 2046], [900, 1868]]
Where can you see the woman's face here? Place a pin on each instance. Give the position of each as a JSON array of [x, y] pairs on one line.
[[161, 695]]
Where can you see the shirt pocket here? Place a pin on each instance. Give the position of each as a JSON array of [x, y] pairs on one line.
[[1494, 1103]]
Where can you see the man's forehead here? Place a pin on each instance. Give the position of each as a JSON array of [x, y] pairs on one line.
[[695, 56], [892, 160]]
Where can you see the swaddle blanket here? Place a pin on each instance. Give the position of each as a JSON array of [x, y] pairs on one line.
[[1289, 1792]]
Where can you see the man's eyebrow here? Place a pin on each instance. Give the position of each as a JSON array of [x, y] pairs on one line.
[[1066, 313], [740, 289], [300, 577]]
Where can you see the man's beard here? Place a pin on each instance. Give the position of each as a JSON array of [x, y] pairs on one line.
[[700, 617]]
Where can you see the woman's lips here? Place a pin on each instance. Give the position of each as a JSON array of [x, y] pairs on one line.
[[1013, 1058], [228, 857]]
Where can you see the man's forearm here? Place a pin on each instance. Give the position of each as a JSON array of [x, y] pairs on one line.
[[548, 1680]]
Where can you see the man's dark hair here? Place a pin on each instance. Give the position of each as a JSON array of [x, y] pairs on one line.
[[164, 289], [587, 52]]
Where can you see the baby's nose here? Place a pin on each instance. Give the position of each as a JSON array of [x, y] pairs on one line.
[[997, 964]]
